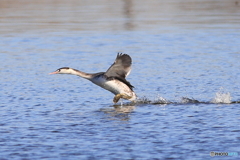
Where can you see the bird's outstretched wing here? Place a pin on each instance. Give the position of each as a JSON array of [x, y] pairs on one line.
[[121, 67]]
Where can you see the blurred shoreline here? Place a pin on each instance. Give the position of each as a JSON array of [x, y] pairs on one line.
[[118, 15]]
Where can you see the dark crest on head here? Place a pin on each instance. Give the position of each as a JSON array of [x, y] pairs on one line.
[[62, 68]]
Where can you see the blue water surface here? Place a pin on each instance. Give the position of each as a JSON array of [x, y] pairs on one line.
[[186, 75]]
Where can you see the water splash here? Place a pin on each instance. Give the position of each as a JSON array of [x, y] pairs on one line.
[[158, 100], [222, 97], [161, 100], [143, 100], [185, 100]]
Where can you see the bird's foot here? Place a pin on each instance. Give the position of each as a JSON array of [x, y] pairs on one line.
[[121, 95]]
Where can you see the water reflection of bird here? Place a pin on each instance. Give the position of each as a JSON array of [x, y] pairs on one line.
[[112, 80], [119, 112]]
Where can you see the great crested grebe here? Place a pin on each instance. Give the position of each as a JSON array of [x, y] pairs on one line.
[[112, 80]]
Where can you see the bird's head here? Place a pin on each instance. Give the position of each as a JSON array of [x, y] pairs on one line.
[[63, 70]]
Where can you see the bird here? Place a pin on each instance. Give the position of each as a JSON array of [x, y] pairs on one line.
[[113, 80]]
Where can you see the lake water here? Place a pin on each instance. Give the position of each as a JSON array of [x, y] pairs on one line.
[[186, 73]]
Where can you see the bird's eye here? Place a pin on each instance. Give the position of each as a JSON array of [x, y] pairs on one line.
[[58, 70]]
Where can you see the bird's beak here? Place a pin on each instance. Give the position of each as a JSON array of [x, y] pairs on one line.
[[54, 72]]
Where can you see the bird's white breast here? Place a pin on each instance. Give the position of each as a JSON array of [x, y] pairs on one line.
[[114, 86]]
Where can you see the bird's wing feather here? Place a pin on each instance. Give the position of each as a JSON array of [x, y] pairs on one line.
[[121, 67]]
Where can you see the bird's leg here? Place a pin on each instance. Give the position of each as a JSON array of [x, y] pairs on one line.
[[116, 98], [121, 95]]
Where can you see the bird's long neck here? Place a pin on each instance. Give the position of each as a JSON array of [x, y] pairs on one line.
[[81, 74]]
